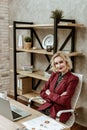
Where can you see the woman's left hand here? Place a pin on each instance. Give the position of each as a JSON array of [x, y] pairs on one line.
[[48, 92], [64, 93]]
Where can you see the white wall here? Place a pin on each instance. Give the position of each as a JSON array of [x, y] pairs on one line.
[[39, 11]]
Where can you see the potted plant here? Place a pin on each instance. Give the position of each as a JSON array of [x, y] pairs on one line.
[[57, 14], [27, 42]]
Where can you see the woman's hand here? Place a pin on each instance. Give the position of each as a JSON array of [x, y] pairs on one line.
[[48, 92], [64, 93]]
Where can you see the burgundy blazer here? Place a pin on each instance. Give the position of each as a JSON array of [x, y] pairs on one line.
[[55, 101]]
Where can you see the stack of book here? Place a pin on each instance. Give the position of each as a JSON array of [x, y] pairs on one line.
[[28, 68]]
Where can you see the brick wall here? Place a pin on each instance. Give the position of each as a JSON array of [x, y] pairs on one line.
[[4, 46]]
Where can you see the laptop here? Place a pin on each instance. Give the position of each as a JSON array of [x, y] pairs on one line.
[[12, 112]]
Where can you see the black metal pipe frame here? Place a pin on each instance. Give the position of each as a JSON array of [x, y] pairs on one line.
[[55, 36], [72, 47], [67, 20], [15, 60], [15, 63], [14, 54], [71, 35], [65, 42], [19, 22], [34, 32], [40, 44], [32, 57]]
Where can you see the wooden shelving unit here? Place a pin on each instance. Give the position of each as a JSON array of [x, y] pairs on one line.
[[64, 24]]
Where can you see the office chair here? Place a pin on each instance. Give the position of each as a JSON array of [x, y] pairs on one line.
[[74, 100]]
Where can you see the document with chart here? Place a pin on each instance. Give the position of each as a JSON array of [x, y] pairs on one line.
[[43, 123]]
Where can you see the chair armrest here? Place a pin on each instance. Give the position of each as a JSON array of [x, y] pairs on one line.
[[34, 98], [64, 111]]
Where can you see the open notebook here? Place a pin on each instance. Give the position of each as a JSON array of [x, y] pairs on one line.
[[12, 112]]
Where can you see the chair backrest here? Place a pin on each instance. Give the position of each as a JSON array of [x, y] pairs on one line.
[[77, 91], [75, 98]]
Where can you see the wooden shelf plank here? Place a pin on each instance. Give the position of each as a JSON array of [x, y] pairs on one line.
[[75, 25], [36, 25], [75, 54], [47, 25], [38, 51], [31, 94], [34, 94], [43, 51], [36, 74]]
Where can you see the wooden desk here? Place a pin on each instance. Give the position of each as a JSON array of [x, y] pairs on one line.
[[6, 124]]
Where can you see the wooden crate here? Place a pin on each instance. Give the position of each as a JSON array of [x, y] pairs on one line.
[[24, 85]]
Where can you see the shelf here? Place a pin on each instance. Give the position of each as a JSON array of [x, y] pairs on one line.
[[31, 94], [47, 25], [37, 101], [75, 54], [38, 51], [36, 74], [43, 51]]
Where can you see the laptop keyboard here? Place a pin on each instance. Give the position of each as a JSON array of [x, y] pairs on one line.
[[15, 115]]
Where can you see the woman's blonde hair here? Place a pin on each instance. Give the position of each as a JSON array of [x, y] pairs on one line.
[[65, 58]]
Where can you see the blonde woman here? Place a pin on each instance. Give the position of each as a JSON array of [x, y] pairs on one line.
[[60, 87]]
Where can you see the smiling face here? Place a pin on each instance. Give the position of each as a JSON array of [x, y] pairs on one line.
[[61, 62], [60, 65]]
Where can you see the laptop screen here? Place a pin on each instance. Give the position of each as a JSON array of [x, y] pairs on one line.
[[12, 113]]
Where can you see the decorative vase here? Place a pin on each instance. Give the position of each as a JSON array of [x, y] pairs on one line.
[[20, 41]]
